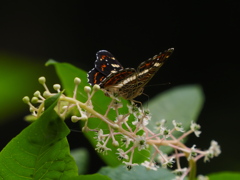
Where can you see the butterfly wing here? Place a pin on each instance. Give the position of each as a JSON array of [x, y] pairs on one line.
[[95, 77], [105, 64], [147, 69], [118, 78], [128, 82]]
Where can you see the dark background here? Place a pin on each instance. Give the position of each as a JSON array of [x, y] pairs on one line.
[[205, 35]]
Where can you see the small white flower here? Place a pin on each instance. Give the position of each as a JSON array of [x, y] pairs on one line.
[[140, 142], [146, 119], [133, 109], [130, 165], [102, 148], [121, 118], [122, 154], [168, 163], [178, 126], [201, 177], [141, 118], [163, 122], [193, 153], [135, 122], [116, 105], [213, 151], [215, 148], [195, 128], [100, 136], [160, 124], [143, 114], [140, 123], [164, 132], [126, 141], [180, 171], [150, 165], [162, 158]]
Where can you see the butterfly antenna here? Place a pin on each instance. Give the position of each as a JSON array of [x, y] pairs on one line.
[[147, 98], [73, 130], [135, 102], [162, 84]]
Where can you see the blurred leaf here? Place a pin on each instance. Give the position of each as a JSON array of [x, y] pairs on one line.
[[40, 151], [17, 75], [138, 172], [67, 73], [182, 104], [91, 177], [81, 157], [225, 176]]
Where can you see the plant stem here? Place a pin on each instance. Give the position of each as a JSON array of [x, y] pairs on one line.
[[193, 169]]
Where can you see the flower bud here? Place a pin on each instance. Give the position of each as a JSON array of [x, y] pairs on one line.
[[42, 80], [26, 99], [77, 80]]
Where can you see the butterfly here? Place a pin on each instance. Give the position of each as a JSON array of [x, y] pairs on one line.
[[127, 83]]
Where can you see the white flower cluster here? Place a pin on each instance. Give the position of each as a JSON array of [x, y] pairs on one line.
[[135, 135]]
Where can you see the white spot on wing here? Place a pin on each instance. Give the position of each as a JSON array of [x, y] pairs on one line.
[[157, 64], [143, 72], [115, 65]]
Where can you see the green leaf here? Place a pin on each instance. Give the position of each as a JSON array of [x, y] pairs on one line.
[[224, 176], [40, 151], [67, 73], [91, 177], [138, 172], [182, 104]]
